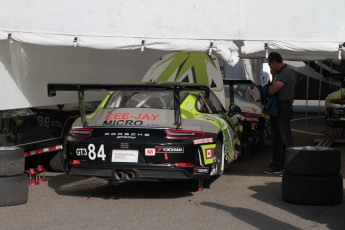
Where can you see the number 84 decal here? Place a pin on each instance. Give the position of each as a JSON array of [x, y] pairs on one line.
[[92, 152]]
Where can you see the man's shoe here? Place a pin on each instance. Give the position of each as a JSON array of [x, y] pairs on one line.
[[274, 171]]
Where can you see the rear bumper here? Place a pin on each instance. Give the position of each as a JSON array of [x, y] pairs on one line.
[[141, 171], [333, 123]]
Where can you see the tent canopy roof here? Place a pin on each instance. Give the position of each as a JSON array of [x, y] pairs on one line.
[[307, 30]]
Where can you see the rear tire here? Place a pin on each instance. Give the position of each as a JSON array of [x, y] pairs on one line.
[[246, 150], [57, 163], [311, 190], [12, 161], [14, 190], [312, 161]]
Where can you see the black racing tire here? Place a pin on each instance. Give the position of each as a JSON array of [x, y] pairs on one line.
[[246, 151], [14, 190], [12, 161], [311, 190], [57, 163], [312, 161]]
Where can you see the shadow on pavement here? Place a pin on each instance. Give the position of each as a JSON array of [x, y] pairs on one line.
[[304, 133], [144, 189], [253, 218], [332, 216]]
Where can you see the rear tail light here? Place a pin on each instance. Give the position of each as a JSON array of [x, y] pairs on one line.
[[337, 101], [75, 162], [80, 132], [183, 134], [250, 115], [185, 164], [252, 126]]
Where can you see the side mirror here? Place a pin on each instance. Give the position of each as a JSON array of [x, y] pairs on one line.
[[234, 109]]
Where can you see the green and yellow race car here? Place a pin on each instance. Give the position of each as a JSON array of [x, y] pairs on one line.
[[152, 131]]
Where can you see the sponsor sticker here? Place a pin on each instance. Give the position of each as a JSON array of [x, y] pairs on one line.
[[169, 149], [203, 141], [126, 118], [209, 153], [123, 122], [122, 155], [127, 135], [200, 170], [129, 116], [190, 107], [150, 152]]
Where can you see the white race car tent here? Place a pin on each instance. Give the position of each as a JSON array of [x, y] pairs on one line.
[[101, 41]]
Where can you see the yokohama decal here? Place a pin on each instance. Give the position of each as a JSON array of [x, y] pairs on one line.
[[40, 151], [172, 149]]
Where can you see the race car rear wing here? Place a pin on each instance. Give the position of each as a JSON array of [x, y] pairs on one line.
[[340, 77], [337, 76], [231, 84], [52, 88], [234, 82]]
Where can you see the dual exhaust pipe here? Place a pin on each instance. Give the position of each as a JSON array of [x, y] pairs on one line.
[[124, 175]]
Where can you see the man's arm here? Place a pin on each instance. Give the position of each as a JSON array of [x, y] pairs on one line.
[[275, 87]]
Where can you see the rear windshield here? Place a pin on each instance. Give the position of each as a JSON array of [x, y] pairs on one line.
[[142, 99]]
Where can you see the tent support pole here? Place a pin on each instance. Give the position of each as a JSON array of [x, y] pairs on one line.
[[307, 95], [320, 85]]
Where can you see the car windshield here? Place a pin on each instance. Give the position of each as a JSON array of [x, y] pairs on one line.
[[142, 99], [248, 92]]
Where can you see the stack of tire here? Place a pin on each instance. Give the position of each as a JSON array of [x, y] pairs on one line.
[[312, 176], [14, 188]]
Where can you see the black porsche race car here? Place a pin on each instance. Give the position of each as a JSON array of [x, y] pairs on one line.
[[152, 131]]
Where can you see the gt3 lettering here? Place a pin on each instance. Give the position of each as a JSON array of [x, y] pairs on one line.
[[81, 151], [339, 111], [92, 152]]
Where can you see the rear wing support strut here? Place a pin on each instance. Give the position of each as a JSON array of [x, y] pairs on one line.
[[82, 107], [177, 108]]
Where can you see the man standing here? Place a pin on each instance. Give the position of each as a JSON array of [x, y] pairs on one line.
[[283, 87]]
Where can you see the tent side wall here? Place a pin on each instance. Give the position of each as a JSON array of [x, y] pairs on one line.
[[26, 69]]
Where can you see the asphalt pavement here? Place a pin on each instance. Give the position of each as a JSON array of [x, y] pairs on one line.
[[243, 198]]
